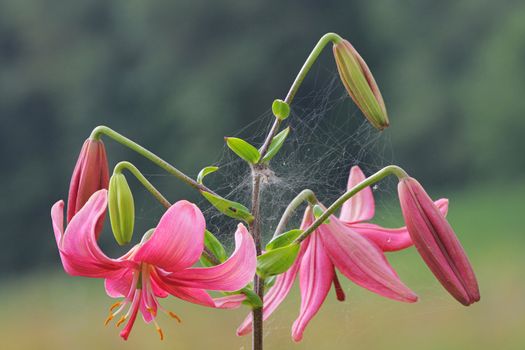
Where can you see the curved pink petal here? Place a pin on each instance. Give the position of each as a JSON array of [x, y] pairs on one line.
[[80, 253], [283, 283], [230, 301], [276, 293], [362, 262], [232, 275], [391, 239], [120, 286], [177, 241], [315, 277], [360, 207]]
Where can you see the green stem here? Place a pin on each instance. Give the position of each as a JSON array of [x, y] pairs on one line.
[[381, 174], [156, 193], [104, 130], [305, 195], [325, 39], [148, 185], [318, 48]]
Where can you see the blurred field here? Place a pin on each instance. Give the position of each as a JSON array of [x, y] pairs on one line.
[[48, 310]]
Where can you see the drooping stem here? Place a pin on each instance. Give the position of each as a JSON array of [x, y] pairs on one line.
[[305, 195], [325, 39], [258, 282], [381, 174], [318, 48], [156, 193], [104, 130], [142, 179]]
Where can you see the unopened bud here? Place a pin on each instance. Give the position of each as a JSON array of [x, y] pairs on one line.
[[360, 84], [121, 209], [280, 109]]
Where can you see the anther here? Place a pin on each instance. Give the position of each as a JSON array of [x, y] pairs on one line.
[[175, 316], [121, 321], [114, 306], [110, 317]]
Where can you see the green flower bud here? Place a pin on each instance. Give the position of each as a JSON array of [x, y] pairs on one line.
[[280, 109], [121, 208], [360, 84]]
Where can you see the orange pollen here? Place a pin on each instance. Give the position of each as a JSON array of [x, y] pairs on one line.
[[110, 317], [151, 311], [161, 334], [121, 321], [114, 306], [175, 316]]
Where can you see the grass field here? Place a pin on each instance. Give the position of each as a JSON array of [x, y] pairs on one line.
[[48, 310]]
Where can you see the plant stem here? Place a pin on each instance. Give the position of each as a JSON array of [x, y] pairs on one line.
[[389, 170], [318, 48], [325, 39], [142, 179], [156, 193], [258, 282], [104, 130], [305, 195]]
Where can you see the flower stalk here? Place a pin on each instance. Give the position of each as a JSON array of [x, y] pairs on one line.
[[369, 181]]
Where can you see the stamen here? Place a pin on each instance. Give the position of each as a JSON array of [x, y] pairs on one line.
[[114, 306], [121, 321], [175, 316], [159, 330], [108, 319]]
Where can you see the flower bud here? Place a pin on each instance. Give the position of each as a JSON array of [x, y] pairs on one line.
[[360, 84], [91, 174], [437, 243], [121, 209], [280, 109]]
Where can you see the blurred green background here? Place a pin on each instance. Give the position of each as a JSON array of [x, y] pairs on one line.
[[177, 76]]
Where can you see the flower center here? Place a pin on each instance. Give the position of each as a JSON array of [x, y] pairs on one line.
[[140, 296]]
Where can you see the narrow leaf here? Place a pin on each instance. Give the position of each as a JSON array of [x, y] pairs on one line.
[[243, 149], [230, 208], [215, 247], [283, 239], [277, 261], [318, 211], [206, 171], [276, 144]]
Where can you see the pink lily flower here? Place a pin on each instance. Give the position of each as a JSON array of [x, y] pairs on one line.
[[352, 246], [437, 243], [159, 266], [91, 174]]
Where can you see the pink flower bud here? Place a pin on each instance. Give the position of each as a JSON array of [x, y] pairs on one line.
[[437, 243], [91, 174], [360, 84]]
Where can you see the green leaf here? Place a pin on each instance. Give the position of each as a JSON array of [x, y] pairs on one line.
[[283, 239], [230, 208], [276, 144], [280, 109], [212, 243], [243, 149], [206, 171], [277, 261], [252, 299], [318, 211]]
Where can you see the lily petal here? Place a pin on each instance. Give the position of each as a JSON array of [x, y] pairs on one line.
[[80, 253], [391, 239], [283, 283], [232, 275], [362, 262], [277, 293], [229, 302], [360, 207], [178, 240], [315, 277]]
